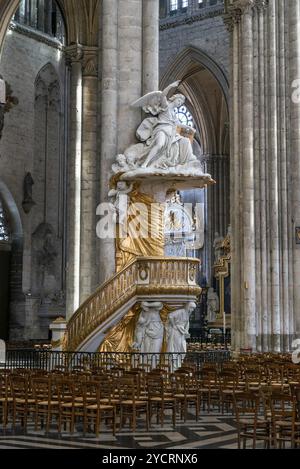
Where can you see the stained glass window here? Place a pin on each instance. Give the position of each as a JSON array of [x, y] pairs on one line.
[[4, 230], [184, 116], [44, 16], [173, 5], [184, 3]]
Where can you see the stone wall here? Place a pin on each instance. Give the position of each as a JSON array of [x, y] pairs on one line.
[[208, 34], [26, 144]]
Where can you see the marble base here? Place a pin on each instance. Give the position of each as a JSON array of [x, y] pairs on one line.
[[182, 178]]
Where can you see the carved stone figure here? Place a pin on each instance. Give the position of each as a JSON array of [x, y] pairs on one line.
[[212, 305], [162, 146], [28, 201], [149, 332], [45, 281], [178, 328], [7, 101], [217, 245], [120, 200], [121, 165]]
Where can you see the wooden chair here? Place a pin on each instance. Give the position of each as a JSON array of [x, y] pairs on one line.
[[46, 404], [250, 426], [23, 403], [283, 418], [94, 410], [5, 399], [131, 404], [185, 392], [209, 391], [228, 387], [69, 406], [159, 399]]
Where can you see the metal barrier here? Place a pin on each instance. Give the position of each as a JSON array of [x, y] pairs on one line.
[[48, 360]]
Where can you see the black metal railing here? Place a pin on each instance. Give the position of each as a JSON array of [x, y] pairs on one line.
[[48, 360]]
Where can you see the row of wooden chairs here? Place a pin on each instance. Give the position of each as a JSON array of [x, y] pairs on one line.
[[67, 399], [268, 415]]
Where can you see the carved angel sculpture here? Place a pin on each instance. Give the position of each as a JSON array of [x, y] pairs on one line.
[[161, 145]]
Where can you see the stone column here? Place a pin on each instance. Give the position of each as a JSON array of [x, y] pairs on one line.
[[74, 55], [286, 309], [232, 22], [109, 119], [128, 66], [294, 64], [89, 178], [247, 138], [150, 45], [273, 178], [267, 171], [262, 299]]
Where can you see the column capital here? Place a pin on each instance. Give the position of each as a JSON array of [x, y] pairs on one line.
[[87, 56], [90, 61], [74, 53], [236, 9], [261, 5]]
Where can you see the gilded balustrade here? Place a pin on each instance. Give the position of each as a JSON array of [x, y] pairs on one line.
[[141, 277]]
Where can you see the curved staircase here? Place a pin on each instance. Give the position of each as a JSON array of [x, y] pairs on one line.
[[166, 279]]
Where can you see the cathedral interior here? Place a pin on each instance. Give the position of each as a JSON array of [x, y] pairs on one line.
[[82, 124]]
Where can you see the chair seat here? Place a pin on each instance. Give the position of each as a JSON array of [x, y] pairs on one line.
[[71, 404], [45, 403], [185, 396], [106, 400], [131, 402], [6, 399], [23, 401], [251, 422], [160, 399], [88, 399], [230, 392], [101, 407]]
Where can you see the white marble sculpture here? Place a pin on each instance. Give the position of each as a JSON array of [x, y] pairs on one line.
[[2, 352], [149, 332], [178, 329], [162, 150], [119, 198], [217, 245], [212, 305]]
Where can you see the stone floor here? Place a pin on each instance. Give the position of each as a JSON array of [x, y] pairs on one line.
[[212, 431]]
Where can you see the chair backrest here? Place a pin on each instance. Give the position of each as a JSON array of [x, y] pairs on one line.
[[4, 386], [246, 403], [127, 388], [41, 389], [20, 387], [155, 385], [282, 406], [90, 391]]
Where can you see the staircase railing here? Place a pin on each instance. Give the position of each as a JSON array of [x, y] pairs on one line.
[[142, 277]]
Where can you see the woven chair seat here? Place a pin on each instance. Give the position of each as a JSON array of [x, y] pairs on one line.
[[161, 399], [46, 403], [132, 402], [101, 407]]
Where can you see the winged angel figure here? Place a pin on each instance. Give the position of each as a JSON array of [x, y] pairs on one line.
[[161, 145]]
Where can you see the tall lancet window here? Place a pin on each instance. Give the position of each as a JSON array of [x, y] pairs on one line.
[[42, 15], [4, 228]]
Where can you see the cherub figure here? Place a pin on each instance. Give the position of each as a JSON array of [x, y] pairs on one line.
[[120, 196], [121, 165]]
